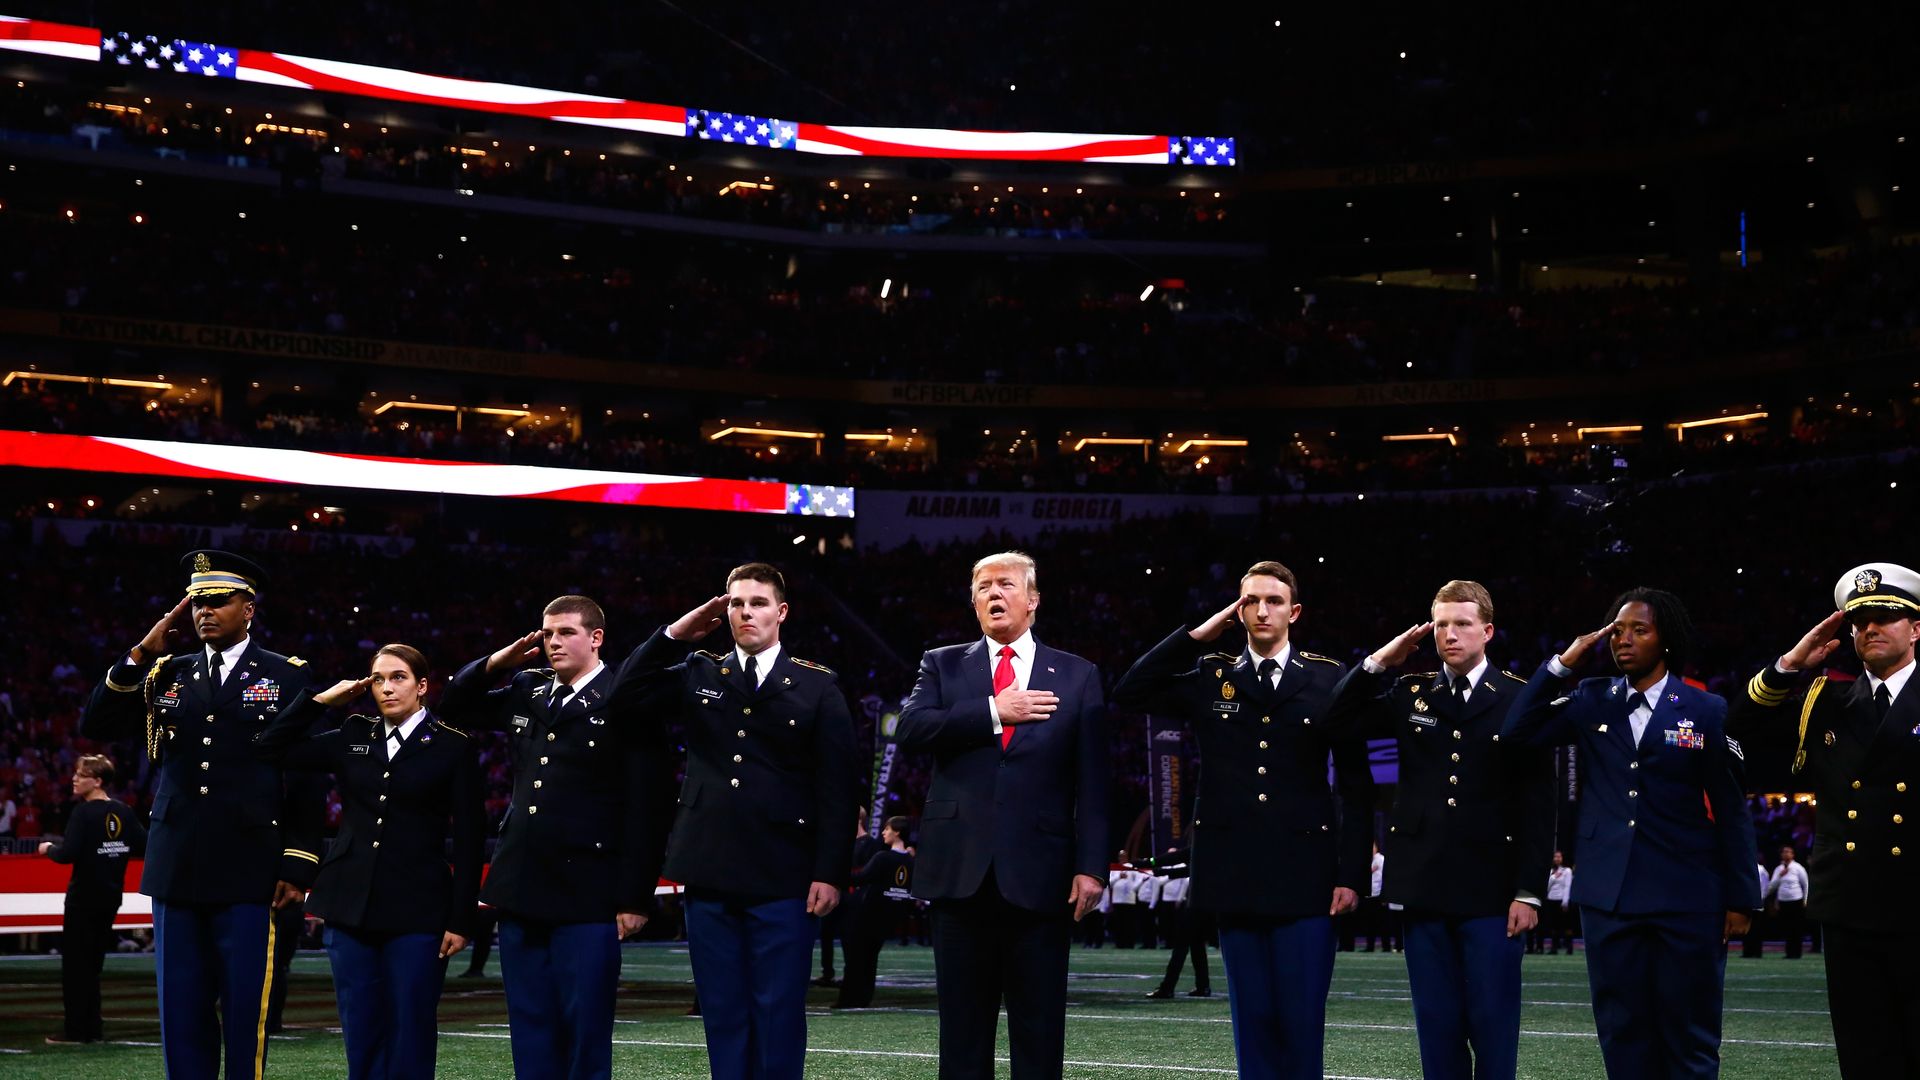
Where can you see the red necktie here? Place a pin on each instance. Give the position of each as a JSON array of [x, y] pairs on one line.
[[1002, 679]]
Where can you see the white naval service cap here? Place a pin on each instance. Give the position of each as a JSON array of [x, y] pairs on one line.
[[1885, 586]]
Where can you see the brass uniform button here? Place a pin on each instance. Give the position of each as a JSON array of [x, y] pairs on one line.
[[735, 781], [1851, 814], [1850, 845], [1453, 802], [1263, 796]]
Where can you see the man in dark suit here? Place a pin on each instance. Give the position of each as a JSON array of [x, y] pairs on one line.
[[1666, 844], [1274, 858], [230, 839], [1470, 835], [578, 855], [1858, 749], [1013, 837], [761, 840]]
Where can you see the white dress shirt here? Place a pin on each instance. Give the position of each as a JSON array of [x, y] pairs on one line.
[[1895, 683], [1022, 661], [1559, 884], [1638, 717], [229, 656], [1281, 657], [397, 734], [577, 684], [762, 661]]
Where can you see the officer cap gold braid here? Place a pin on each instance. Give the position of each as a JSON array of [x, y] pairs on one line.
[[211, 572], [1886, 586]]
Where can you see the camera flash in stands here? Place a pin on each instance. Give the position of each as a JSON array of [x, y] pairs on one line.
[[1146, 292], [885, 288], [801, 539]]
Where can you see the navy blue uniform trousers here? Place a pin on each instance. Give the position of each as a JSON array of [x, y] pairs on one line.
[[387, 988], [214, 965], [1465, 976], [1278, 975], [560, 979], [1657, 985], [750, 966]]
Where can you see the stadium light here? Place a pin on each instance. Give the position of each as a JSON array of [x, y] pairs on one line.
[[426, 405], [1610, 429], [782, 433], [1084, 443], [867, 436], [1681, 428], [1428, 436], [1190, 443], [143, 384], [885, 288], [1146, 292]]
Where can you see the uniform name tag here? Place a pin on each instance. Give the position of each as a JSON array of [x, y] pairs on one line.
[[1227, 706], [704, 692], [1423, 720], [521, 721], [359, 748], [166, 703]]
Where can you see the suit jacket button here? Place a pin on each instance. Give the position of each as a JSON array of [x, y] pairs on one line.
[[543, 761], [207, 741], [803, 821], [1263, 744], [205, 765], [1453, 780], [1456, 757], [1264, 719], [209, 718], [1456, 733], [550, 736]]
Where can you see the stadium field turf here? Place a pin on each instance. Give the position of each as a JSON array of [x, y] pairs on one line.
[[1776, 1021]]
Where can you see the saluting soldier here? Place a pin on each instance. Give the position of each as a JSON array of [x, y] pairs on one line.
[[395, 909], [230, 838], [1858, 749], [761, 840], [577, 860], [1274, 856], [1666, 842], [1470, 836]]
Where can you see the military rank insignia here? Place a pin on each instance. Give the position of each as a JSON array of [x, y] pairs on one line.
[[264, 692], [1226, 691]]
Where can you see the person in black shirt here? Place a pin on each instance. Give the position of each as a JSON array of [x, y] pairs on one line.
[[882, 899], [101, 834]]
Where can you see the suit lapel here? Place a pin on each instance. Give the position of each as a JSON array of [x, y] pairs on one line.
[[1485, 695], [976, 670], [1900, 718]]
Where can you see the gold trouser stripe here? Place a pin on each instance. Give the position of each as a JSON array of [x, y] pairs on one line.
[[266, 995], [1806, 714]]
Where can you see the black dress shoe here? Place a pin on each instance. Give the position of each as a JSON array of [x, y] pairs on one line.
[[1161, 992], [1200, 991]]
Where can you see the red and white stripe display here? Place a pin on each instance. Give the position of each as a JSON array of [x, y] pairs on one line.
[[987, 145], [148, 457], [33, 896], [335, 76], [49, 38]]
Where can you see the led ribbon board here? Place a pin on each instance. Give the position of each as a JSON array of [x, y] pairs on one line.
[[207, 59], [200, 461]]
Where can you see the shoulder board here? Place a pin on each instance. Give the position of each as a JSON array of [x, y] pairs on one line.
[[1304, 655], [713, 656], [444, 726], [1214, 657], [1511, 675], [296, 661], [1419, 676], [810, 664]]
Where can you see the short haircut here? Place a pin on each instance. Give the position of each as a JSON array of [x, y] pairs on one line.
[[1273, 569], [1466, 592], [415, 660], [1009, 558], [98, 766], [765, 573], [1669, 617], [898, 824], [590, 614]]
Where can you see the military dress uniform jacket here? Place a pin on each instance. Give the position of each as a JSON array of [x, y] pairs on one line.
[[1034, 812], [1865, 861], [225, 825], [579, 842], [387, 871], [1648, 842], [769, 802], [1472, 820], [1268, 836]]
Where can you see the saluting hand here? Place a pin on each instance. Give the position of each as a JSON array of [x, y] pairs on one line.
[[1584, 644], [701, 621], [1217, 623], [516, 655], [1401, 649], [155, 642], [1813, 649], [343, 691]]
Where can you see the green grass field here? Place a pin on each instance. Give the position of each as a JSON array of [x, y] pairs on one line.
[[1776, 1023]]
